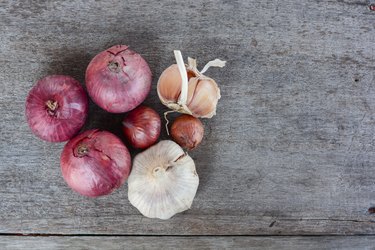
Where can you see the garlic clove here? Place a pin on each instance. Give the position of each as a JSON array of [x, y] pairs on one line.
[[163, 181], [192, 87], [206, 96], [169, 85]]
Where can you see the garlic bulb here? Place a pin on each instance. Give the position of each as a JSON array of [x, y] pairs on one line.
[[163, 181], [184, 89]]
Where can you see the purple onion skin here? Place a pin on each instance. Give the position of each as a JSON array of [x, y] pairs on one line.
[[118, 79], [95, 163], [56, 108]]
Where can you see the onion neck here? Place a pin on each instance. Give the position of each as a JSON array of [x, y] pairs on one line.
[[81, 150], [114, 66], [127, 125], [52, 107]]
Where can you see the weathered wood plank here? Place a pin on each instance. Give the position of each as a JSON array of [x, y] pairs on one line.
[[290, 151], [131, 242]]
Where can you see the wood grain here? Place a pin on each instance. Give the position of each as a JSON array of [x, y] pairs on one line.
[[131, 242], [290, 152]]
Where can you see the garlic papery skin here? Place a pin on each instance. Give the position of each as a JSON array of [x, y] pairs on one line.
[[163, 181], [193, 93]]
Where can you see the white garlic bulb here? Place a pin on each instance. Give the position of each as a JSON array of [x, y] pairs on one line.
[[163, 181], [184, 89]]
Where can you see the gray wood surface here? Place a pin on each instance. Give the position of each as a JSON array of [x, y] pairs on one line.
[[184, 243], [290, 152]]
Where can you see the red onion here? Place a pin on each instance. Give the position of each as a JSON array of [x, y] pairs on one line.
[[118, 79], [56, 108], [187, 131], [95, 163], [142, 127]]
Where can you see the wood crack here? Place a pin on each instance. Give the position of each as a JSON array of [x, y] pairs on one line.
[[330, 219], [357, 3]]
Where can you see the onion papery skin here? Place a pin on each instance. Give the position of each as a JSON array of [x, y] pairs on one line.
[[95, 163], [142, 127], [118, 79], [56, 108]]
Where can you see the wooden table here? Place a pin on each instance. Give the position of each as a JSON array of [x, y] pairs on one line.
[[287, 162]]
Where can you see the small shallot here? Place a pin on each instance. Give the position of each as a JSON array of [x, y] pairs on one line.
[[187, 131], [142, 127]]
